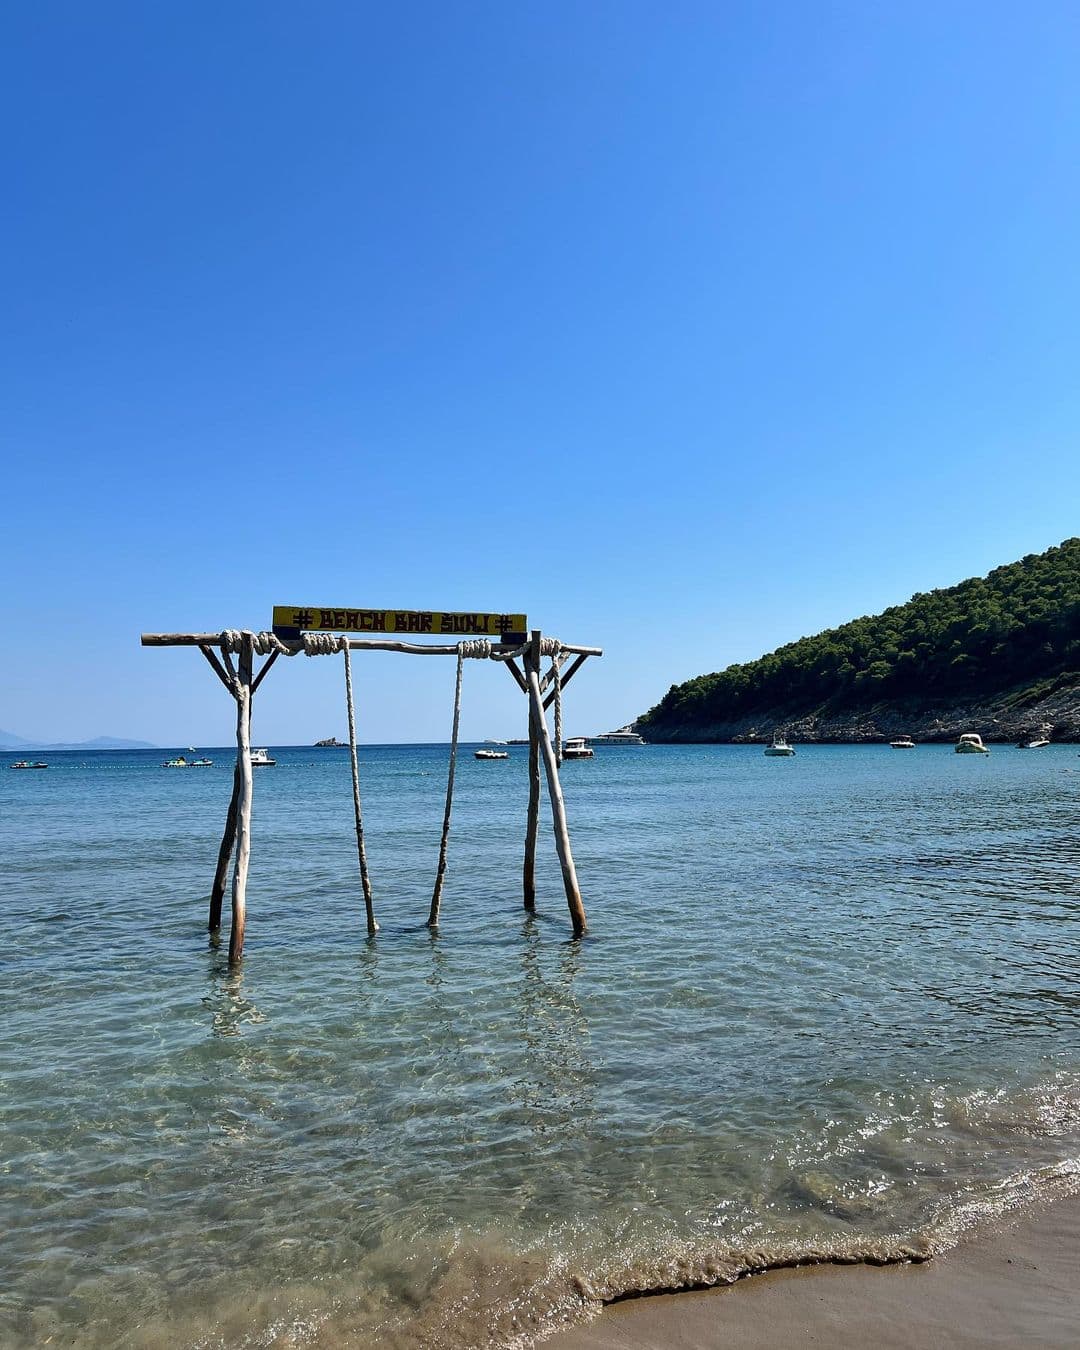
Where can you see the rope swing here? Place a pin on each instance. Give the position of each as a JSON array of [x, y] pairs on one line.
[[365, 880], [479, 648]]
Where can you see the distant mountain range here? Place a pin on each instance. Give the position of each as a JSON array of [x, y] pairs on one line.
[[9, 741]]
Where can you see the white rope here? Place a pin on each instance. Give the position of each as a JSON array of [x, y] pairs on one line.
[[556, 674], [365, 879], [322, 644], [470, 647]]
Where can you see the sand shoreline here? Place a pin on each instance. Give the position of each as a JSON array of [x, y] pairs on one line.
[[1014, 1284]]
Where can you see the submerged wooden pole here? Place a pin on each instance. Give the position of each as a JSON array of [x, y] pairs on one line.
[[558, 808], [243, 822], [532, 820], [225, 852]]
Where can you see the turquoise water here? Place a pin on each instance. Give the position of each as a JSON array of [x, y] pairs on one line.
[[827, 1004]]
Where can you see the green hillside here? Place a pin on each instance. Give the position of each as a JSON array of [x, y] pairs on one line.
[[1019, 624]]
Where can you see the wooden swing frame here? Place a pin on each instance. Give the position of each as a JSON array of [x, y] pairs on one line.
[[541, 688]]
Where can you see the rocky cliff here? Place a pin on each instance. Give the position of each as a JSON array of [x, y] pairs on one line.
[[1052, 707]]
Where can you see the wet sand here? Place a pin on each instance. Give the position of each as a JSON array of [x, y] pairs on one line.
[[1018, 1285]]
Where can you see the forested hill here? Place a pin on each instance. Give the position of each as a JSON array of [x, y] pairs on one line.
[[1005, 647]]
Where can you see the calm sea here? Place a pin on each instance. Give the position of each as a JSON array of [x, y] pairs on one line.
[[828, 1004]]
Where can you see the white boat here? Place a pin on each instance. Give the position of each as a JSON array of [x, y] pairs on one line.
[[903, 743], [970, 743], [1036, 744], [491, 754], [779, 745], [261, 758], [624, 736], [576, 748]]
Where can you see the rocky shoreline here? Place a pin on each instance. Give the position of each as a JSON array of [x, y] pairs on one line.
[[1005, 717]]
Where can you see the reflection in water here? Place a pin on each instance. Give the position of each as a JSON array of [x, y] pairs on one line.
[[555, 1072], [230, 1010]]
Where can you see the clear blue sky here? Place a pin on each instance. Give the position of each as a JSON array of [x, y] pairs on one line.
[[689, 329]]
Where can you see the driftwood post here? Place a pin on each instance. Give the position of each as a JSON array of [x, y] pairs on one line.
[[243, 822], [558, 808], [531, 660], [225, 852]]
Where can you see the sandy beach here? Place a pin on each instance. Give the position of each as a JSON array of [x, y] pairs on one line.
[[1013, 1286]]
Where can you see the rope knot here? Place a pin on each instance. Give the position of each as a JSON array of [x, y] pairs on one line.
[[322, 644], [479, 648], [266, 643], [230, 640], [550, 646]]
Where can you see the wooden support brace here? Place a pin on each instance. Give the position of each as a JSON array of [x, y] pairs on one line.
[[513, 668], [567, 675], [262, 673], [218, 668]]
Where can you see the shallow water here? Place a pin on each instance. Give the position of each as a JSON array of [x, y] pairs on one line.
[[828, 1004]]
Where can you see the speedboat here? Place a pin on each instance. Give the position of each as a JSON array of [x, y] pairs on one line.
[[28, 764], [970, 743], [903, 743], [491, 754], [261, 759], [779, 745], [1036, 744], [576, 748]]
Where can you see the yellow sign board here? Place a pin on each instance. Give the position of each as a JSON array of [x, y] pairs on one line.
[[317, 618]]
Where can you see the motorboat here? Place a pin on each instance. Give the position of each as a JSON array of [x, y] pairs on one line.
[[261, 759], [624, 736], [576, 748], [491, 754], [903, 743], [178, 763], [970, 743], [1037, 744], [779, 745], [29, 764]]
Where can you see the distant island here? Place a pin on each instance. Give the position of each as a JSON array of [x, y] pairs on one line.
[[331, 743], [998, 654], [9, 741]]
